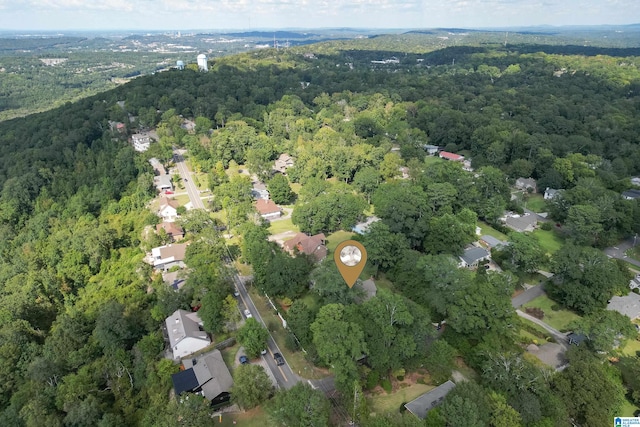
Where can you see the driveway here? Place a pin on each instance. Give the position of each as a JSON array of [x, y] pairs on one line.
[[560, 337], [528, 295], [618, 251]]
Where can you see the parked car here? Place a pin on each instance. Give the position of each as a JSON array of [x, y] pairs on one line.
[[168, 192], [244, 360], [236, 293], [278, 358], [247, 313], [264, 350]]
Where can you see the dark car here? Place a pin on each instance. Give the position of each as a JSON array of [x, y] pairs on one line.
[[244, 360], [278, 358]]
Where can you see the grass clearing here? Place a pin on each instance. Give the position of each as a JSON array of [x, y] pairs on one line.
[[487, 229], [559, 319], [183, 199], [535, 202], [336, 238], [429, 160], [253, 418], [631, 347], [229, 355], [295, 187], [390, 403], [282, 225], [628, 409], [550, 240]]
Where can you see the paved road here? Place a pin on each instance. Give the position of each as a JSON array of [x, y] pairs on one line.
[[192, 189], [283, 374], [619, 250], [528, 295]]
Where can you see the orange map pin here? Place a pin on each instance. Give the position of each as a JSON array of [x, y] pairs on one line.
[[350, 257]]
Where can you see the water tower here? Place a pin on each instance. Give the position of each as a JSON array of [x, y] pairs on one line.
[[180, 65], [202, 62]]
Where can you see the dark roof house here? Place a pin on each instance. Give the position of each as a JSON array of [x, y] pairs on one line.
[[473, 255], [491, 241], [207, 375], [631, 194], [424, 403]]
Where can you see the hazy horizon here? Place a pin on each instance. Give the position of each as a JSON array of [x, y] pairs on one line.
[[256, 15]]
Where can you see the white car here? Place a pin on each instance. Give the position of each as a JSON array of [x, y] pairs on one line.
[[247, 313]]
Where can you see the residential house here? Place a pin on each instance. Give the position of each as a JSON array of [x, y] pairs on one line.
[[157, 166], [631, 194], [369, 288], [141, 141], [185, 333], [551, 193], [206, 375], [404, 172], [628, 305], [188, 125], [424, 403], [173, 230], [526, 184], [168, 210], [363, 227], [283, 163], [635, 181], [309, 245], [451, 156], [268, 209], [473, 255], [431, 150], [576, 339], [259, 191], [163, 183], [635, 282], [165, 257], [491, 241], [521, 223]]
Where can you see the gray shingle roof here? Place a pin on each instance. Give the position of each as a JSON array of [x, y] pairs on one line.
[[474, 254], [629, 305], [421, 405]]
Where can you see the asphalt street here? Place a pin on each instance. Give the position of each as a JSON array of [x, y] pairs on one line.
[[283, 374], [618, 251], [192, 189]]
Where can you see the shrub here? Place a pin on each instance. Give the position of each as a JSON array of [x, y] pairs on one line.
[[636, 290], [372, 380], [535, 312], [386, 385], [547, 226], [555, 307]]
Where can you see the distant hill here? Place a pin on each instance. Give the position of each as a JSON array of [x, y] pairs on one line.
[[271, 34]]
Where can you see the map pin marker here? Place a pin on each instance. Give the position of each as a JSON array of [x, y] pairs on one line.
[[350, 257]]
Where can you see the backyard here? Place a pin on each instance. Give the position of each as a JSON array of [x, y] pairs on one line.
[[550, 240], [559, 319]]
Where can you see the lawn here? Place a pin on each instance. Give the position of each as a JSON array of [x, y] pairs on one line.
[[634, 253], [183, 199], [549, 239], [559, 319], [390, 403], [338, 237], [229, 355], [628, 409], [429, 160], [487, 229], [295, 187], [281, 226], [535, 202], [631, 348], [253, 418]]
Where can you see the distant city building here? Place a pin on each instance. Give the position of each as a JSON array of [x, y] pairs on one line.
[[180, 65], [202, 62]]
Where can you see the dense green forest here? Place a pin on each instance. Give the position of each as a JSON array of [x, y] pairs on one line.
[[81, 342]]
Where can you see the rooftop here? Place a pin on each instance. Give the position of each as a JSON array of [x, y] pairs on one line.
[[421, 405], [474, 254], [265, 207], [628, 305], [182, 324]]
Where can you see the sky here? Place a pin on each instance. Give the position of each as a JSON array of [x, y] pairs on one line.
[[258, 14]]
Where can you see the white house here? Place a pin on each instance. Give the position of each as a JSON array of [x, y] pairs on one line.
[[141, 141], [185, 333], [165, 257], [168, 209], [551, 193], [431, 150]]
